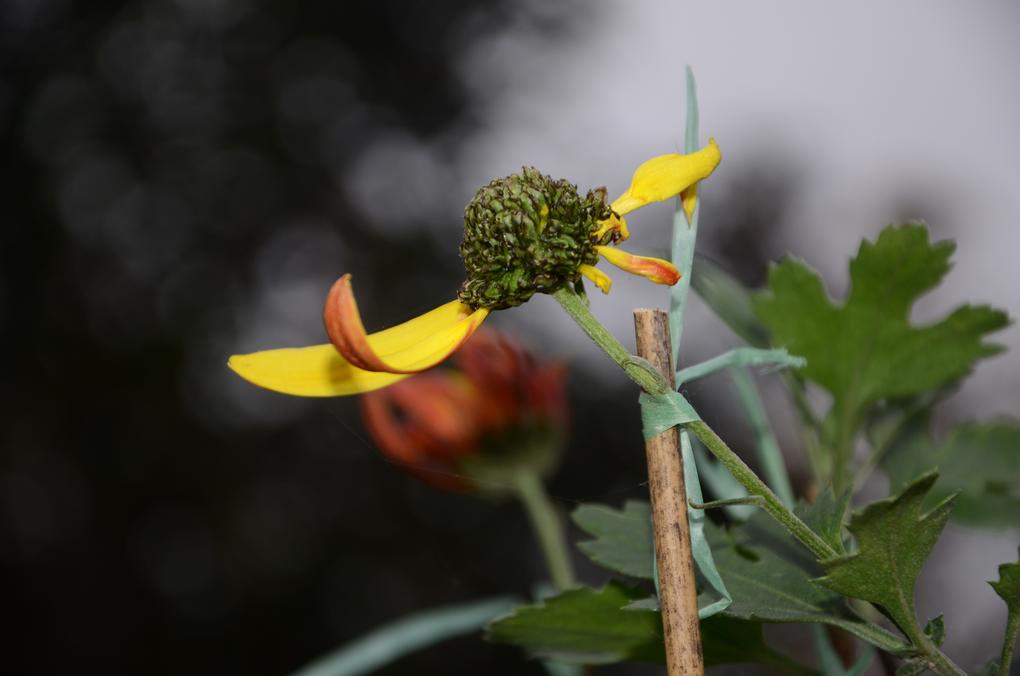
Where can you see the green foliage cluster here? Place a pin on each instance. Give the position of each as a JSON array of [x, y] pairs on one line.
[[884, 375]]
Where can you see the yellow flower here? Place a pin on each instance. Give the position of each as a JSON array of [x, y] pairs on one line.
[[545, 243]]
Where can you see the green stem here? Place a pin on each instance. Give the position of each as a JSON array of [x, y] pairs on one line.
[[640, 371], [843, 449], [721, 482], [755, 486], [401, 637], [810, 430], [1012, 630], [936, 659], [768, 448], [548, 526], [653, 383], [741, 356]]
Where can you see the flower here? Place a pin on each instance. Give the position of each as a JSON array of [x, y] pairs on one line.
[[451, 427], [523, 234]]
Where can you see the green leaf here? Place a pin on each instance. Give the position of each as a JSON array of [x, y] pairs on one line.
[[586, 626], [866, 349], [729, 299], [1008, 589], [825, 516], [1008, 585], [936, 630], [413, 632], [623, 538], [894, 538], [770, 577], [981, 462], [768, 574], [590, 626]]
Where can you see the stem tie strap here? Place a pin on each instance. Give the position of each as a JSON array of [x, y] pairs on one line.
[[659, 412]]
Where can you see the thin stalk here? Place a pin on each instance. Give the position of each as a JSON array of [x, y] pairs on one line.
[[644, 375], [843, 450], [685, 232], [768, 447], [810, 429], [548, 527], [1012, 630], [869, 465], [755, 486], [936, 659], [741, 356], [639, 370], [653, 383]]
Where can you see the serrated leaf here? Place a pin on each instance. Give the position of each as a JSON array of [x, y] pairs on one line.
[[729, 299], [980, 462], [771, 578], [894, 539], [1008, 589], [623, 538], [591, 626], [585, 626], [866, 349], [1008, 585], [825, 517], [936, 630], [768, 574]]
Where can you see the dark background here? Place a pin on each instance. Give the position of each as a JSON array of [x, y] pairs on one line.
[[172, 183], [159, 157]]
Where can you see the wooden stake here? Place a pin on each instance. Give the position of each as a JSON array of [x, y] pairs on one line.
[[678, 596]]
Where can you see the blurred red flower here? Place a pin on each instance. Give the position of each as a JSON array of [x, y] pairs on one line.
[[498, 407]]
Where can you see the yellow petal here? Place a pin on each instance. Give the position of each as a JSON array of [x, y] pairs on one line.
[[614, 222], [689, 200], [665, 176], [653, 269], [316, 371], [597, 277], [413, 346]]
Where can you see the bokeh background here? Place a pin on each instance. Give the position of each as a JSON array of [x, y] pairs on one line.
[[183, 179]]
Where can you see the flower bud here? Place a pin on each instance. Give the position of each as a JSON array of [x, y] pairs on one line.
[[527, 234], [459, 428]]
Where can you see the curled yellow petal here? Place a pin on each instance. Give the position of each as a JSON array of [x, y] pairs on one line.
[[614, 223], [597, 277], [413, 346], [689, 200], [665, 176], [316, 371], [653, 269]]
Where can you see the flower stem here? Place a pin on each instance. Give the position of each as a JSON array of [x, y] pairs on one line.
[[936, 660], [640, 371], [755, 486], [548, 526], [1012, 629], [653, 383], [768, 447]]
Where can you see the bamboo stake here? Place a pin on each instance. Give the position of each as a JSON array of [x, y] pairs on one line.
[[678, 596]]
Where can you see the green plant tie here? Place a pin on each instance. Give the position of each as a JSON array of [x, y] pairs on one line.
[[659, 412]]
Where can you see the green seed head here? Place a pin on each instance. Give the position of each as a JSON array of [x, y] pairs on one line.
[[527, 234]]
